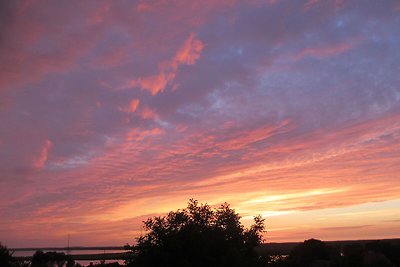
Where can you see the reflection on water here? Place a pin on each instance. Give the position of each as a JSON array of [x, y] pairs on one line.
[[71, 252], [87, 263], [27, 253]]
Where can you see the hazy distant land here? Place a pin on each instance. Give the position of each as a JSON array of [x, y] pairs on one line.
[[273, 248]]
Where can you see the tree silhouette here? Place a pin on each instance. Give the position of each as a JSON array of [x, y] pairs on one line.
[[5, 256], [198, 236]]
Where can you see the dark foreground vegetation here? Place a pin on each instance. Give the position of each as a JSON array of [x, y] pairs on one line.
[[314, 253], [198, 236], [202, 236]]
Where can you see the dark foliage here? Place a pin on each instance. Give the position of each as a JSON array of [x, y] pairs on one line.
[[6, 258], [41, 259], [309, 251], [198, 236], [391, 250], [313, 252], [354, 255]]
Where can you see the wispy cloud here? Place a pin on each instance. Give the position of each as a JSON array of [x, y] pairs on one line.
[[186, 55], [43, 154]]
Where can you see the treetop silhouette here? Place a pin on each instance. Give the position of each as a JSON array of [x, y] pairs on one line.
[[198, 236]]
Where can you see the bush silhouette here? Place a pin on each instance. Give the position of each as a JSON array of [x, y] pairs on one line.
[[198, 236], [59, 259]]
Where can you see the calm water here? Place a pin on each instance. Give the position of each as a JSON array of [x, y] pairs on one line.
[[74, 252], [87, 263]]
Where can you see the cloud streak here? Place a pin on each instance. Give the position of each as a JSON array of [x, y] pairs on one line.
[[186, 55]]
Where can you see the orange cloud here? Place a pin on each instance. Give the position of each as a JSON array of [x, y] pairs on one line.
[[132, 107], [137, 135], [155, 83], [188, 54]]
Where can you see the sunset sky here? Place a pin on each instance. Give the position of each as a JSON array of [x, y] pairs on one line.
[[114, 111]]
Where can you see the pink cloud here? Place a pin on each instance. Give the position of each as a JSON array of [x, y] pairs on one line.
[[148, 113], [187, 54], [132, 107], [310, 4], [99, 14], [112, 58], [247, 138], [322, 52], [27, 35], [156, 83], [137, 135], [339, 4], [41, 159]]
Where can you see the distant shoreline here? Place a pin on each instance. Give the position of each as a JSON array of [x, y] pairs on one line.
[[69, 248], [93, 257], [271, 248], [122, 247]]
